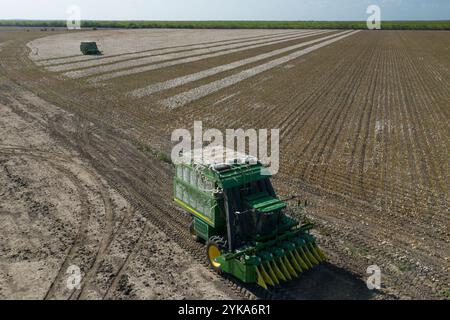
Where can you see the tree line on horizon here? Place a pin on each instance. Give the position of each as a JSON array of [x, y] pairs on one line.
[[388, 25]]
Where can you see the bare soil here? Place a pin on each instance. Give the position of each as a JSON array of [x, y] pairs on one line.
[[57, 211]]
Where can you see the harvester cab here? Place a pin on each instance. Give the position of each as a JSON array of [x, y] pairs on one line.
[[246, 228]]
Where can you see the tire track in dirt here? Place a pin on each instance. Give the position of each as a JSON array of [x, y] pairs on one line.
[[108, 232], [121, 271], [55, 161]]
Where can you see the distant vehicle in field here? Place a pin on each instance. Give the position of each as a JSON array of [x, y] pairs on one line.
[[89, 48]]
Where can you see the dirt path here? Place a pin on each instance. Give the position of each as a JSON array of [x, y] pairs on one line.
[[57, 211]]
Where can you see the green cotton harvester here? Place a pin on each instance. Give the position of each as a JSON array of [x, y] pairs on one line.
[[237, 213]]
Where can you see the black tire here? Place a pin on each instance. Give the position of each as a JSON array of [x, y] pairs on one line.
[[221, 245]]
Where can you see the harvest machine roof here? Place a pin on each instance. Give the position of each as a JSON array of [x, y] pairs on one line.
[[228, 166]]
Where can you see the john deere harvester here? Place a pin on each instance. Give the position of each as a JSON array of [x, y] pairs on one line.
[[89, 48], [247, 231]]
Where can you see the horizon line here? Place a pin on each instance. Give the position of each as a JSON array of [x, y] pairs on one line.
[[222, 20]]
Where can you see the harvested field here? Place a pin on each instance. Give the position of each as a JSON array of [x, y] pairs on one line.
[[364, 119]]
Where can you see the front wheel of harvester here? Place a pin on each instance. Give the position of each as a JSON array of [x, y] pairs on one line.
[[214, 248]]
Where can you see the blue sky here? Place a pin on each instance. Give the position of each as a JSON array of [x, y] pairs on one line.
[[226, 9]]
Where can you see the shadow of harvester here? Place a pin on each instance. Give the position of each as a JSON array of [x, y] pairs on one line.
[[327, 282]]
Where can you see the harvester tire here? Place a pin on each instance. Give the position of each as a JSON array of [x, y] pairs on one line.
[[214, 248]]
